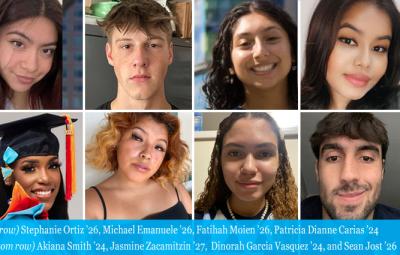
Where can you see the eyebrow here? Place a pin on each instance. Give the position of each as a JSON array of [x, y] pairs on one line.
[[144, 131], [244, 34], [261, 145], [29, 39], [149, 38], [350, 26], [35, 161], [338, 147]]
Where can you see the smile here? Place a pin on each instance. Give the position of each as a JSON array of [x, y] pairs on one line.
[[43, 194], [263, 68], [25, 79], [141, 167]]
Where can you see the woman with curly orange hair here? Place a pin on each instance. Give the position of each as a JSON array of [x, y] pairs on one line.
[[148, 161], [249, 176]]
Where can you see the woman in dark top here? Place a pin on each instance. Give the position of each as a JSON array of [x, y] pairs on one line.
[[148, 160]]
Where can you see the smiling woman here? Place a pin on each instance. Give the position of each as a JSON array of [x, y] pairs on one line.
[[352, 56], [31, 186], [30, 58], [249, 176], [147, 159], [254, 60]]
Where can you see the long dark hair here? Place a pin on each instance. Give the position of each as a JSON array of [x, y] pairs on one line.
[[47, 92], [282, 196], [59, 210], [220, 92], [321, 40]]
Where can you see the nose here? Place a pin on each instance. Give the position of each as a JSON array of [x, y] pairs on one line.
[[260, 49], [145, 154], [140, 58], [249, 165], [31, 61], [363, 58], [349, 172], [43, 176]]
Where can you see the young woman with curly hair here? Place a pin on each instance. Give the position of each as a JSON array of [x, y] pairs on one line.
[[249, 175], [254, 60], [148, 160], [352, 56]]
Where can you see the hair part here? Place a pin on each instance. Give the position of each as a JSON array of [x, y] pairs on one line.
[[143, 15], [353, 125], [321, 39], [101, 153], [282, 196]]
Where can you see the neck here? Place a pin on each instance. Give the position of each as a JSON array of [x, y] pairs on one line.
[[246, 208], [124, 182], [20, 100], [276, 97], [125, 101]]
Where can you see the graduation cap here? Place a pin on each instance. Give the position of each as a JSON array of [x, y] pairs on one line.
[[33, 137]]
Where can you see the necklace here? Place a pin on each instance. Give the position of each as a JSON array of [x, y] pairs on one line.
[[233, 215]]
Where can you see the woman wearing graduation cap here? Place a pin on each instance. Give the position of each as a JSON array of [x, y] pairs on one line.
[[32, 186]]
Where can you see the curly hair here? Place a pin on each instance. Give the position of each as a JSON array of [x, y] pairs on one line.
[[220, 90], [282, 196], [321, 39], [101, 153], [46, 93]]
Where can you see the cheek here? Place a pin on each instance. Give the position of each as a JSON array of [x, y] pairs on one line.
[[238, 59], [380, 66]]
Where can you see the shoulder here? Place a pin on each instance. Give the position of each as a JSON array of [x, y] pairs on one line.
[[93, 205], [311, 208], [105, 106], [184, 197], [386, 212]]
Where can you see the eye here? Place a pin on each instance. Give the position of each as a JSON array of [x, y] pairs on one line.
[[28, 168], [125, 46], [153, 45], [160, 148], [17, 44], [55, 165], [264, 154], [348, 41], [367, 159], [234, 154], [380, 49], [49, 52], [332, 159], [137, 138], [273, 39]]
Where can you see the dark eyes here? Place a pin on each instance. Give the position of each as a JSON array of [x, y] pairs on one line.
[[30, 168], [17, 44], [352, 42], [137, 138], [346, 40], [333, 159], [257, 155]]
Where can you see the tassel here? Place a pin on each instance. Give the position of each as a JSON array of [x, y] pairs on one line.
[[70, 175]]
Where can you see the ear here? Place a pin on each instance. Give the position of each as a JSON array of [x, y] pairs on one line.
[[170, 53], [383, 168], [109, 54], [316, 170], [9, 181]]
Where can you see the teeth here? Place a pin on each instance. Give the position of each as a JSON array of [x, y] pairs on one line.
[[43, 193], [265, 68]]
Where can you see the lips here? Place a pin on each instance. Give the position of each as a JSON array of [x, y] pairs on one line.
[[263, 69], [25, 80], [140, 77], [42, 193], [249, 184], [358, 80], [351, 197], [141, 167]]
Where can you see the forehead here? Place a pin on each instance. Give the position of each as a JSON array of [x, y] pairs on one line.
[[138, 34], [254, 23], [346, 143], [150, 126], [250, 131], [40, 29], [369, 16]]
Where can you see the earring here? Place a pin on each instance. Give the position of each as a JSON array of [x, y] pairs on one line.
[[294, 67], [231, 75]]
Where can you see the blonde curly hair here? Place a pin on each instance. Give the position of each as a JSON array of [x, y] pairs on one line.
[[282, 196], [101, 153]]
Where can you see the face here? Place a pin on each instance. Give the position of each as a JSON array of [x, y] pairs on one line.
[[360, 56], [27, 48], [250, 159], [261, 52], [349, 173], [140, 61], [40, 177], [142, 149]]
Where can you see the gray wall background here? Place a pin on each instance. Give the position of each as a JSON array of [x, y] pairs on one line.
[[390, 184]]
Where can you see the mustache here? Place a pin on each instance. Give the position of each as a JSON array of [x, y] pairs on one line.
[[346, 187]]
